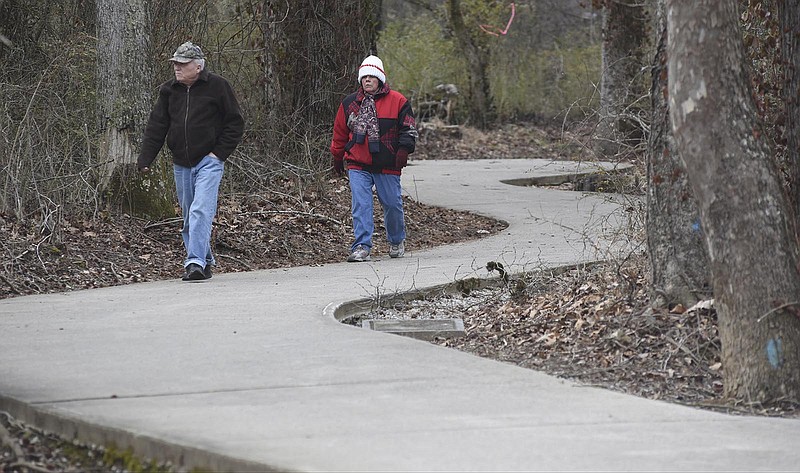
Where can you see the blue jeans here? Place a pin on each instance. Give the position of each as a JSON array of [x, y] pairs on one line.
[[389, 194], [198, 189]]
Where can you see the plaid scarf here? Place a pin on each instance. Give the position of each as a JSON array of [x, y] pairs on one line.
[[365, 124]]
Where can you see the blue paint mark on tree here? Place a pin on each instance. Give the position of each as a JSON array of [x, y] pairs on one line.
[[775, 352], [696, 226]]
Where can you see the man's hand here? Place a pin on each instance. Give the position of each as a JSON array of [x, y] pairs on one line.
[[144, 170], [337, 166], [401, 158]]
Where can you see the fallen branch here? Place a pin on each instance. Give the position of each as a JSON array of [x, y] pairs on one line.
[[296, 212], [697, 360], [779, 308], [246, 266], [10, 284], [30, 466], [168, 221]]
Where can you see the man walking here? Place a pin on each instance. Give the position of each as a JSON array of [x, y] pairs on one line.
[[198, 115]]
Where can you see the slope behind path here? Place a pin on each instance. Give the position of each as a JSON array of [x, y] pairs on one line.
[[249, 371]]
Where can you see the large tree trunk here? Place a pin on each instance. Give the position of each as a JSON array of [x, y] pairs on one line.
[[312, 54], [623, 52], [123, 75], [479, 98], [790, 52], [678, 259], [746, 217]]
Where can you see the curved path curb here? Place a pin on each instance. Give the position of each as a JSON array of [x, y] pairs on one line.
[[243, 373]]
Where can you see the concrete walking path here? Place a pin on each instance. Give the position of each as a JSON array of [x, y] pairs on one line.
[[251, 372]]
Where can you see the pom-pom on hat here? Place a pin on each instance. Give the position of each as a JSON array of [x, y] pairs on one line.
[[372, 66]]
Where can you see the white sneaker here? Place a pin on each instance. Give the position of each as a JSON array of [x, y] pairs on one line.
[[398, 250], [361, 253]]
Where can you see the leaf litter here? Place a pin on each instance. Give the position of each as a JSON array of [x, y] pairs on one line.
[[588, 324], [593, 325]]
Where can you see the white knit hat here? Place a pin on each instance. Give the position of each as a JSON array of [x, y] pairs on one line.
[[372, 66]]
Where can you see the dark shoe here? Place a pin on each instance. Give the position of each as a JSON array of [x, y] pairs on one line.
[[207, 271], [193, 273]]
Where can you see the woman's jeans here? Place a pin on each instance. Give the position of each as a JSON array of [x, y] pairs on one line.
[[198, 189], [389, 194]]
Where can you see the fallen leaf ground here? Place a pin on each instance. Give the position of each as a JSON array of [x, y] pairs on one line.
[[591, 325]]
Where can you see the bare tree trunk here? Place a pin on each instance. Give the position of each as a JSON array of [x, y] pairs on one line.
[[312, 54], [123, 76], [479, 98], [624, 39], [747, 219], [790, 52], [678, 259]]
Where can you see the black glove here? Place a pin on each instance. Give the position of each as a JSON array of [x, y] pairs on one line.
[[401, 158], [338, 166]]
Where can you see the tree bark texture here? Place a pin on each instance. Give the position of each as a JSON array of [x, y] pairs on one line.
[[746, 217], [123, 74], [678, 258], [124, 101], [479, 97], [624, 39], [312, 54], [790, 52]]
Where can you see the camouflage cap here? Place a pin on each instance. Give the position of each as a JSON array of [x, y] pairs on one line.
[[187, 52]]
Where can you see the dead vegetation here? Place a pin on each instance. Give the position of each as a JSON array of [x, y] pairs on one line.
[[593, 325], [260, 231], [588, 324]]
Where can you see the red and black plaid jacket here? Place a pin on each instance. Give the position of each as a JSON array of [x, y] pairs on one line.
[[397, 130]]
